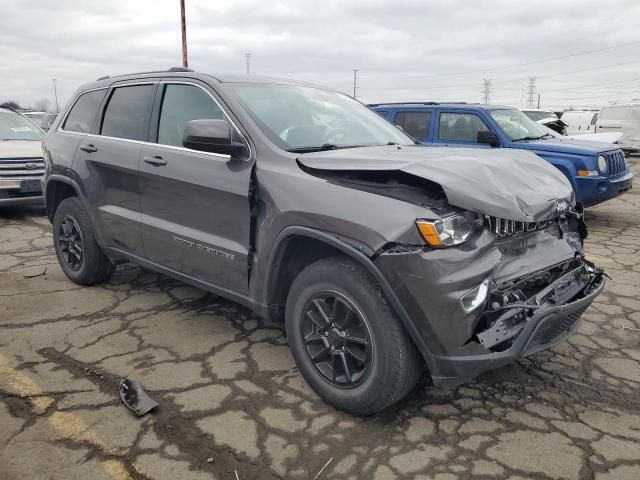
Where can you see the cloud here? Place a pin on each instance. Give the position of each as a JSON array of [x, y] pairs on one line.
[[404, 50]]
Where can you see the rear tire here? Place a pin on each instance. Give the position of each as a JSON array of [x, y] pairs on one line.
[[76, 247], [358, 377]]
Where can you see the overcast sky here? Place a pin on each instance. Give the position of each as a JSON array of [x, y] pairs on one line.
[[403, 49]]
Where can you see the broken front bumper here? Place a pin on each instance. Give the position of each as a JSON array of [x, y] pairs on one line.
[[547, 327]]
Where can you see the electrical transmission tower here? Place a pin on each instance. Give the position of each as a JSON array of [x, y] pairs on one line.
[[531, 93], [486, 90]]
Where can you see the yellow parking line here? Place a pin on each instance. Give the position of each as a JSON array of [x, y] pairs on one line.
[[69, 425]]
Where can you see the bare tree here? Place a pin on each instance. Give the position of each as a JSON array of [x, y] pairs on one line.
[[10, 104]]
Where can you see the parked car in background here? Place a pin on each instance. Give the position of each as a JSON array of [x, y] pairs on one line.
[[597, 171], [609, 137], [537, 115], [21, 164], [299, 202], [548, 119], [625, 119], [580, 121], [41, 119]]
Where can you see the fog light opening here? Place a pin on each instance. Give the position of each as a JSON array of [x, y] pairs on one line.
[[476, 297]]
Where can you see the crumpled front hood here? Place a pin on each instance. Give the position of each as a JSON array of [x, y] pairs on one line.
[[505, 183], [20, 149]]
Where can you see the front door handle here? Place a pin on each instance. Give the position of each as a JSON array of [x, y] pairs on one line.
[[88, 148], [155, 161]]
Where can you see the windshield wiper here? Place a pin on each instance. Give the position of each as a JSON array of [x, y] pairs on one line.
[[320, 148], [527, 138]]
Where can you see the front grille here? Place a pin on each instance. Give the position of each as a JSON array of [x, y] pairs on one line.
[[615, 163], [555, 329], [18, 168], [503, 227]]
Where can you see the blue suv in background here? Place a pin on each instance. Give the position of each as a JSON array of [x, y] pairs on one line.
[[597, 171]]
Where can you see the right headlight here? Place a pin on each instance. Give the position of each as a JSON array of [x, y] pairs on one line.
[[446, 232], [602, 164]]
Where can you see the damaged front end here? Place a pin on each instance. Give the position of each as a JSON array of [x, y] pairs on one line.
[[538, 310], [512, 289], [494, 267], [533, 300]]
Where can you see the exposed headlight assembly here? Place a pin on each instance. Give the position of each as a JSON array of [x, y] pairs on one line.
[[446, 232], [602, 164]]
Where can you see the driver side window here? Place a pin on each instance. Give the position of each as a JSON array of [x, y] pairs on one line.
[[460, 127], [180, 104]]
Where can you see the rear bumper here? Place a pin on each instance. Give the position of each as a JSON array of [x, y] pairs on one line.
[[594, 190], [545, 329]]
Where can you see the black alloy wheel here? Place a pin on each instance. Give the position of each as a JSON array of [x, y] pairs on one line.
[[70, 243], [337, 339]]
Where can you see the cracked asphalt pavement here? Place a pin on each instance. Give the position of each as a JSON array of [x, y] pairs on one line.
[[232, 402]]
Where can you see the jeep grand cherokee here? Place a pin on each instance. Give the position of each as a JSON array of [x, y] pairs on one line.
[[383, 257]]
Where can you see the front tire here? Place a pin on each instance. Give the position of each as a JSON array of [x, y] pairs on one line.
[[346, 341], [78, 252]]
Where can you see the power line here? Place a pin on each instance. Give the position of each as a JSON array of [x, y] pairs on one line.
[[586, 52], [595, 85], [433, 87]]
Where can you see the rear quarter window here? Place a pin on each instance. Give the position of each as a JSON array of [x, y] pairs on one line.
[[83, 112]]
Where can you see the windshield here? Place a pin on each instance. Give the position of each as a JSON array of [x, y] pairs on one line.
[[517, 126], [298, 118], [16, 127], [536, 115]]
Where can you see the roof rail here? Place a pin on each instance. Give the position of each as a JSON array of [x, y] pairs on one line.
[[172, 69], [419, 103], [402, 103]]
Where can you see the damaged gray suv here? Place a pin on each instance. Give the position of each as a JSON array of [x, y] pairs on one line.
[[384, 258]]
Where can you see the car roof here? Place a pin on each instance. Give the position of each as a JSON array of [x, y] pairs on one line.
[[423, 105], [106, 81]]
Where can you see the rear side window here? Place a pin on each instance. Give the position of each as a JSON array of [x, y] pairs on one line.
[[83, 113], [460, 127], [415, 124], [382, 113], [126, 112], [594, 119], [182, 103]]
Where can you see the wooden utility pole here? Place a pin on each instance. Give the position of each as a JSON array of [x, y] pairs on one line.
[[185, 61]]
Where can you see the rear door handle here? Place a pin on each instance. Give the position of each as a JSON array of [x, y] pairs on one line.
[[88, 148], [156, 161]]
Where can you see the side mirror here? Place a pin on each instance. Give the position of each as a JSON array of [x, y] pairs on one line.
[[214, 136], [488, 137]]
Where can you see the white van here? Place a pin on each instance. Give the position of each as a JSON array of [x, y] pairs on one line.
[[625, 119], [580, 121]]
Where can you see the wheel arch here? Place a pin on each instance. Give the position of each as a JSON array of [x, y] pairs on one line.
[[57, 189], [292, 243]]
